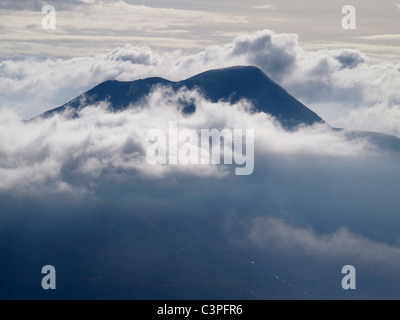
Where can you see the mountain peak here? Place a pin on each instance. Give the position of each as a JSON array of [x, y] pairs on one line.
[[244, 70]]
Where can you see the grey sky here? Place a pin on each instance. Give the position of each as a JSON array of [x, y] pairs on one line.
[[91, 27]]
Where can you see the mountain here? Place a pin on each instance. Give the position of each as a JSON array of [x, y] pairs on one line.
[[230, 84]]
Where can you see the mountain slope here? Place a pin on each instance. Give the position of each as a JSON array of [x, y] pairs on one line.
[[230, 84]]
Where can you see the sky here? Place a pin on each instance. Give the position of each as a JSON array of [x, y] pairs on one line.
[[89, 27]]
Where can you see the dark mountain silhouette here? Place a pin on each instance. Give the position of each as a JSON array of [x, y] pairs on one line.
[[230, 84]]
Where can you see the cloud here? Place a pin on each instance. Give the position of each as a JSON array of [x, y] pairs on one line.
[[113, 22], [267, 232], [265, 7], [376, 118], [384, 37], [350, 59], [35, 5], [50, 153]]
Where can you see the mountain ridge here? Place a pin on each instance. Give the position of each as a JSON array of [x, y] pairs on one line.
[[229, 84]]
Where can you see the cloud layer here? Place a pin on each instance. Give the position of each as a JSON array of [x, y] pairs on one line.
[[45, 153]]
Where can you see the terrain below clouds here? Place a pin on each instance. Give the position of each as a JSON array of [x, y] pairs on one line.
[[285, 233]]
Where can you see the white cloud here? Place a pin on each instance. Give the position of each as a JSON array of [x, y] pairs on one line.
[[380, 37], [377, 118], [265, 7], [38, 154], [268, 232]]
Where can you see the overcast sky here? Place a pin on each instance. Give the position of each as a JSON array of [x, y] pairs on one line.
[[89, 27]]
